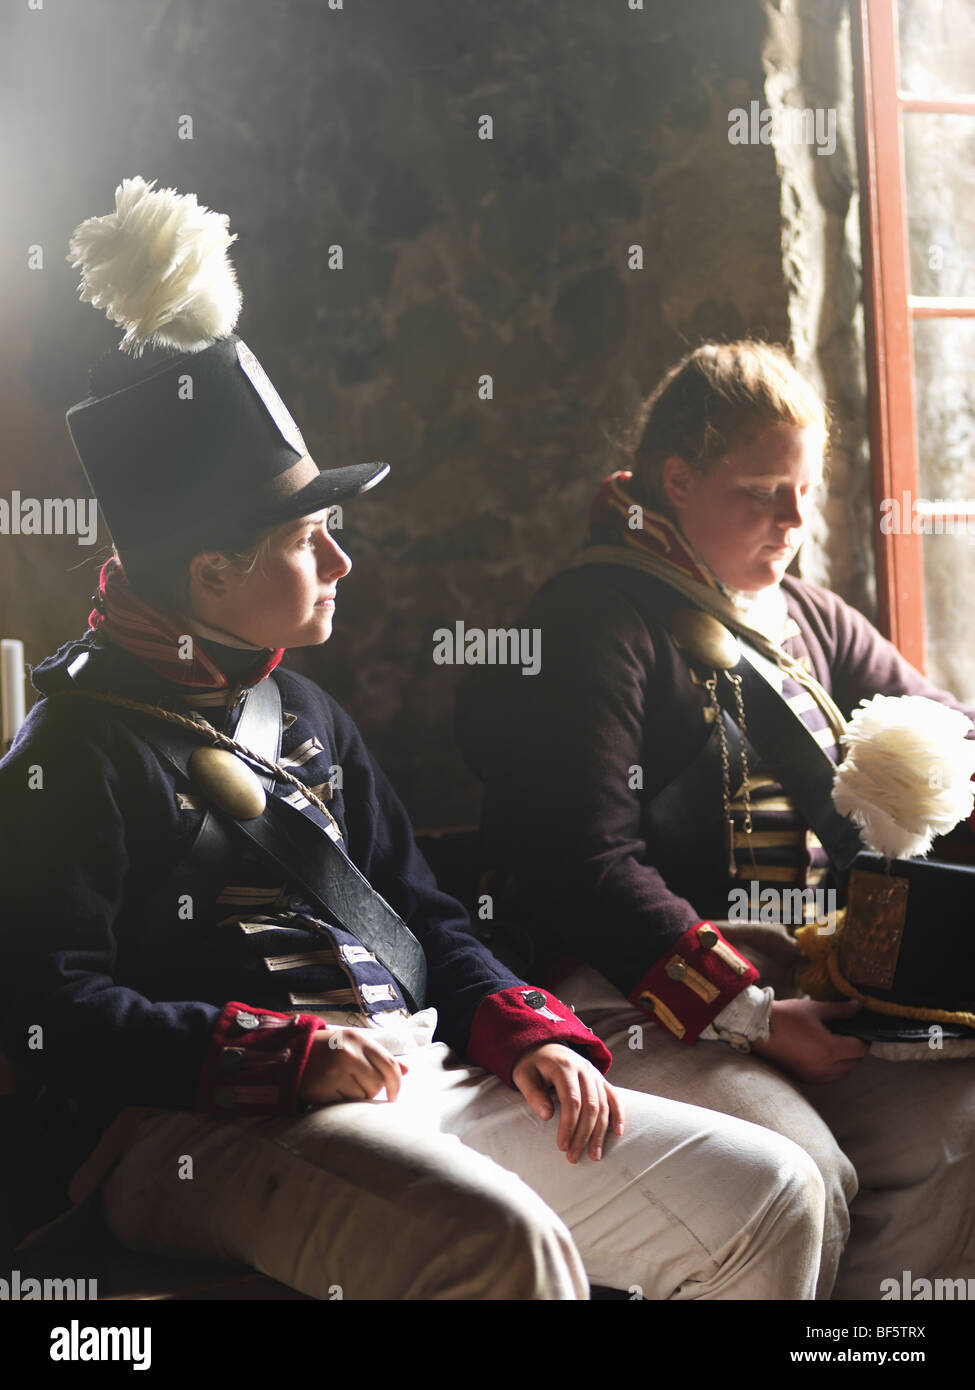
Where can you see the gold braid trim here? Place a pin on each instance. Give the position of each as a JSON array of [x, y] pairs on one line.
[[823, 970], [815, 945], [205, 728], [885, 1006]]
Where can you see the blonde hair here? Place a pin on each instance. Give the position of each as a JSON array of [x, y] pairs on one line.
[[717, 397], [168, 589]]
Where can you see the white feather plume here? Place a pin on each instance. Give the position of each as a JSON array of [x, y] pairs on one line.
[[906, 776], [158, 266]]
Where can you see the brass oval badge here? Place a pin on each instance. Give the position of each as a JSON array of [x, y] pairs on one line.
[[705, 638], [228, 782]]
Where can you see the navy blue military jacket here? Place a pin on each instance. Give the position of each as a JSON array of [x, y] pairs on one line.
[[108, 1002]]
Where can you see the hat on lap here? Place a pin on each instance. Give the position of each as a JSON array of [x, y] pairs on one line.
[[908, 939], [905, 942]]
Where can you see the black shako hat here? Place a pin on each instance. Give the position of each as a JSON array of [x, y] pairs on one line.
[[184, 440], [906, 945], [909, 940]]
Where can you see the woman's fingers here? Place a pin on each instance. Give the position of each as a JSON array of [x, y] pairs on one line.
[[587, 1106], [376, 1068], [589, 1115], [570, 1105], [615, 1108], [598, 1137], [349, 1065]]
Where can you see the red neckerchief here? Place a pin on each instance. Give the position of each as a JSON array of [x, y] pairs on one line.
[[156, 639], [609, 523]]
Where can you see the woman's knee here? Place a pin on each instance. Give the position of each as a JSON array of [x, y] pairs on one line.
[[748, 1089]]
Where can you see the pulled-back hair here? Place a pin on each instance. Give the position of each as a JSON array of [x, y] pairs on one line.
[[717, 397], [166, 587]]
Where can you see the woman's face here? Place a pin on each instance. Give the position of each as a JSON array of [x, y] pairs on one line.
[[747, 516], [288, 600]]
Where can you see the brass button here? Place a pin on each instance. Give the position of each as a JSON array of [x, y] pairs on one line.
[[676, 969], [708, 937], [647, 1001]]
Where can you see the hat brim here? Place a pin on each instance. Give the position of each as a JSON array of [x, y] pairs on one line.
[[336, 485], [331, 486], [874, 1027]]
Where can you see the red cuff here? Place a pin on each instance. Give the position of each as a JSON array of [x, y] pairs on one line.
[[506, 1024], [690, 985], [255, 1062]]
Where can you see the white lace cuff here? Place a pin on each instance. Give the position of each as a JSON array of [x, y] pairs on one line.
[[745, 1020]]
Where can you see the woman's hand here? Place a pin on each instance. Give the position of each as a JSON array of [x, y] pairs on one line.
[[587, 1103], [346, 1064], [800, 1044]]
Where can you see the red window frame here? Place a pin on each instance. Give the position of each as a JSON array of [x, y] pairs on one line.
[[890, 309]]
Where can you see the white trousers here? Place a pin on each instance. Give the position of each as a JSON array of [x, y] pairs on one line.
[[457, 1190], [894, 1141]]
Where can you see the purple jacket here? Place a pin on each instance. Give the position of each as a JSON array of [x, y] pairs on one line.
[[556, 753]]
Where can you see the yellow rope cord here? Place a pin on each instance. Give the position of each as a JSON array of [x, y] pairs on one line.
[[823, 969], [885, 1006], [205, 728]]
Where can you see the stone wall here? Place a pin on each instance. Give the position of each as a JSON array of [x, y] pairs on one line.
[[463, 258]]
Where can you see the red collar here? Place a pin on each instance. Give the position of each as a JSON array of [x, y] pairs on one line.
[[611, 514], [158, 640]]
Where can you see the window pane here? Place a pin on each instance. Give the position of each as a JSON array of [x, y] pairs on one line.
[[939, 161], [937, 47], [944, 364]]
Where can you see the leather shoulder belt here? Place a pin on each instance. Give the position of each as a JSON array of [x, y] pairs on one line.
[[785, 743], [293, 843]]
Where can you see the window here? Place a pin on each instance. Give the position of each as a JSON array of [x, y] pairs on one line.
[[916, 134]]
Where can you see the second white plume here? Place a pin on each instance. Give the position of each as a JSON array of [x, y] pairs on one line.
[[159, 268], [906, 776]]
